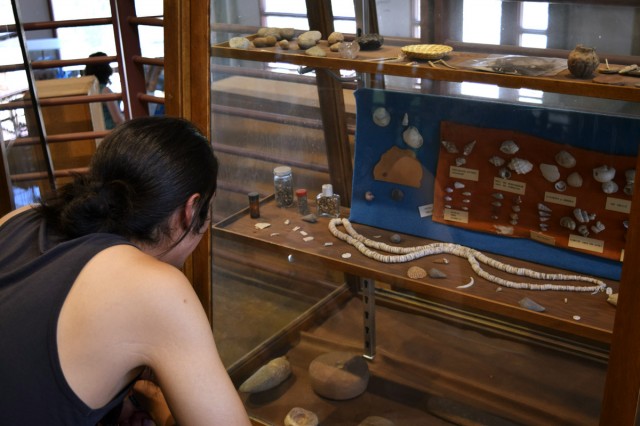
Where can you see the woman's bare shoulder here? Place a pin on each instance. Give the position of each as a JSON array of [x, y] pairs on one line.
[[13, 213]]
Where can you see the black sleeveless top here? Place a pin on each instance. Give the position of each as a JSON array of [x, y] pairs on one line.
[[37, 271]]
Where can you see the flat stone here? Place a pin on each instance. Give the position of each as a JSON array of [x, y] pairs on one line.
[[339, 375]]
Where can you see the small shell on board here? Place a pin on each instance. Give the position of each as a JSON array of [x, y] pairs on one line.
[[574, 180], [550, 172], [436, 273], [298, 416], [509, 147], [381, 117], [567, 222], [520, 166], [450, 147], [412, 137], [416, 272], [565, 159], [496, 161], [604, 173], [468, 148], [268, 376], [609, 187]]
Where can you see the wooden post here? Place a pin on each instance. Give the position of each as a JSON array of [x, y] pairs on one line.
[[187, 95]]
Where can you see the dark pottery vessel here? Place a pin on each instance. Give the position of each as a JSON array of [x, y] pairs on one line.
[[583, 61]]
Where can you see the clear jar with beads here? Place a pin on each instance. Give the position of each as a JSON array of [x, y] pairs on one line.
[[283, 186]]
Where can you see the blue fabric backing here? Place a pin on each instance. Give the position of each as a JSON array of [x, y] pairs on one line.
[[596, 132]]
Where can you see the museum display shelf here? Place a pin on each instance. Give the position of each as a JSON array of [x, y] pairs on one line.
[[385, 61], [581, 315]]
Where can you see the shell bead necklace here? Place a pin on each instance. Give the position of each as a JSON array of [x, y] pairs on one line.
[[474, 257]]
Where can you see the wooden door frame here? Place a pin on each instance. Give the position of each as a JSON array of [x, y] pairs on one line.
[[187, 95]]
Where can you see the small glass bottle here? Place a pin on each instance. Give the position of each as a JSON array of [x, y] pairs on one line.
[[301, 197], [283, 185], [254, 205], [327, 202]]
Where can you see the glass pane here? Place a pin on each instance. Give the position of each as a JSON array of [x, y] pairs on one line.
[[491, 147]]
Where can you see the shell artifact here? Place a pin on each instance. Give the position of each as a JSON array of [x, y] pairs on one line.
[[583, 230], [560, 186], [544, 208], [509, 147], [468, 148], [583, 61], [262, 225], [405, 119], [301, 417], [268, 376], [503, 229], [461, 161], [604, 173], [468, 284], [613, 299], [567, 222], [416, 272], [583, 216], [609, 187], [550, 172], [574, 180], [412, 137], [504, 173], [565, 159], [397, 254], [369, 196], [531, 305], [496, 161], [450, 147], [520, 166], [381, 116], [598, 227]]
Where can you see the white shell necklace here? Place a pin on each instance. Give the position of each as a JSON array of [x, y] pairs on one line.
[[407, 254]]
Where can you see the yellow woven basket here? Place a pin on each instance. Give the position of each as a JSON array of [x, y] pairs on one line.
[[426, 51]]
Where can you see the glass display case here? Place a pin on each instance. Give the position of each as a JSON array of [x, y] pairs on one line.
[[485, 165]]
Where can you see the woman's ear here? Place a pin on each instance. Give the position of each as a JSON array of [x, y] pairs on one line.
[[190, 209]]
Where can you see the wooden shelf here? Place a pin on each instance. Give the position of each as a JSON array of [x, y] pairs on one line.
[[596, 315], [378, 62]]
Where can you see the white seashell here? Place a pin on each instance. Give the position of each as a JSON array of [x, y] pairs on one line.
[[465, 208], [630, 175], [381, 117], [467, 285], [461, 161], [531, 305], [496, 161], [583, 216], [582, 230], [604, 173], [468, 148], [268, 376], [520, 166], [609, 187], [450, 147], [412, 137], [560, 186], [543, 226], [574, 180], [567, 222], [544, 218], [515, 208], [449, 189], [543, 214], [544, 208], [498, 195], [503, 230], [565, 159], [458, 185], [509, 147], [467, 193], [598, 227], [550, 172], [448, 198], [628, 189], [405, 119]]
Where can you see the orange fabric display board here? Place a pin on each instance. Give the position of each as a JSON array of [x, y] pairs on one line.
[[513, 184]]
